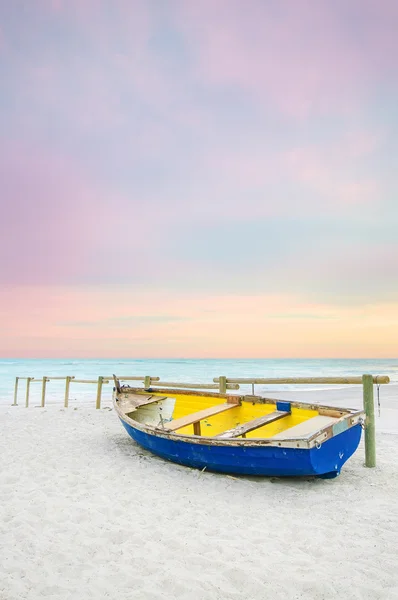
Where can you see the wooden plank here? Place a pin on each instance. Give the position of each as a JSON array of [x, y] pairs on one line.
[[232, 399], [254, 424], [306, 428], [128, 378], [198, 416], [194, 386], [88, 381], [294, 380], [195, 393], [134, 401], [326, 412]]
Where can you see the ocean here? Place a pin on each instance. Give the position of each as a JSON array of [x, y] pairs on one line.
[[183, 370]]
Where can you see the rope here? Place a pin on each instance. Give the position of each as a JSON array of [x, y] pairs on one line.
[[378, 394]]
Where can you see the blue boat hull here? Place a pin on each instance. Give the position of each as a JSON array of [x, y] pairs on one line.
[[325, 461]]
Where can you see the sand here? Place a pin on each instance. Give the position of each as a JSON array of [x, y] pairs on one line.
[[86, 513]]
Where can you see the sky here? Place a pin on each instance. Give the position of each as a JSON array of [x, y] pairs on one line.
[[198, 179]]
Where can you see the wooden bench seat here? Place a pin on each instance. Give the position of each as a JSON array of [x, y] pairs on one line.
[[241, 430], [195, 418], [306, 428]]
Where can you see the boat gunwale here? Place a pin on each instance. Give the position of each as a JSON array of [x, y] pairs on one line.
[[352, 417]]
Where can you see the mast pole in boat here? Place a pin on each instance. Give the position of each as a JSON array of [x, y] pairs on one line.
[[370, 436]]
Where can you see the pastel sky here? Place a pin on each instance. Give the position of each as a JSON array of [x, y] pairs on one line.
[[199, 179]]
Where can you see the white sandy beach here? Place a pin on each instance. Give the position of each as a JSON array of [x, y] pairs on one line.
[[86, 513]]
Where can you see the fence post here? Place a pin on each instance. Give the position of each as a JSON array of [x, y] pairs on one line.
[[370, 436], [147, 382], [99, 391], [28, 380], [43, 392], [16, 391], [223, 385], [66, 403]]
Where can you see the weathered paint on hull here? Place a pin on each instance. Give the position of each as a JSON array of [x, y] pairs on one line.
[[256, 460]]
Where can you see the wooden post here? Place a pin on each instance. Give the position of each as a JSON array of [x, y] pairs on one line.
[[66, 403], [223, 385], [147, 382], [370, 436], [300, 380], [99, 391], [28, 380], [43, 392], [196, 428], [16, 391], [117, 384]]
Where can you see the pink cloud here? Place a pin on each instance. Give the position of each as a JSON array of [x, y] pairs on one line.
[[47, 215], [301, 55], [61, 225], [357, 144], [67, 220], [331, 172], [304, 57], [55, 219], [82, 84]]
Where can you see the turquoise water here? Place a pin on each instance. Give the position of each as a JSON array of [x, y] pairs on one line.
[[184, 370]]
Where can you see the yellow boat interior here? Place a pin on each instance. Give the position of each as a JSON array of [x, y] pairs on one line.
[[229, 416]]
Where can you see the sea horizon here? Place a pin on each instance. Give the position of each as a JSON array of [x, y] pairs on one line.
[[197, 358], [187, 370]]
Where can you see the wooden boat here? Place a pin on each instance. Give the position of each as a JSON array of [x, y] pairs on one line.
[[247, 435]]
